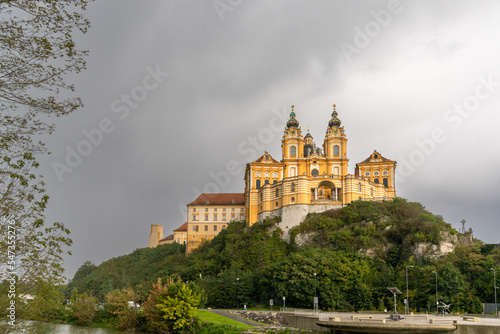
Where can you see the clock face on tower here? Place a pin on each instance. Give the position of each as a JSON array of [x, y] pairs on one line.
[[293, 132], [335, 130]]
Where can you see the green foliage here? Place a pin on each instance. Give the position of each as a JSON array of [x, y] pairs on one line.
[[48, 304], [83, 308], [126, 317], [218, 329], [178, 306], [250, 265]]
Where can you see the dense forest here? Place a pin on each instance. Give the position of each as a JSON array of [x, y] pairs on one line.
[[356, 253]]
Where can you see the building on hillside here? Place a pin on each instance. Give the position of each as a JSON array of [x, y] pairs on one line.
[[167, 240], [307, 179], [311, 179], [209, 214], [180, 234], [156, 235]]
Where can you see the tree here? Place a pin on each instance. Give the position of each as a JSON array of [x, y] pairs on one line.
[[118, 305], [37, 52], [83, 307], [179, 306]]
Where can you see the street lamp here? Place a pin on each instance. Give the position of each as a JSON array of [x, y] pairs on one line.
[[437, 303], [407, 299], [495, 289], [283, 303], [237, 290], [315, 298]]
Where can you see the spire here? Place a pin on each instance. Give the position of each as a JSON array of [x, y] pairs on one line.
[[292, 122], [335, 121]]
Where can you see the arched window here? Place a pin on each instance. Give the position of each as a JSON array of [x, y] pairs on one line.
[[386, 182], [258, 184], [359, 186], [266, 182], [336, 150], [275, 181], [315, 172], [293, 151]]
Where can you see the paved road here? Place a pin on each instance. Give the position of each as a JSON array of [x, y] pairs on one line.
[[235, 317]]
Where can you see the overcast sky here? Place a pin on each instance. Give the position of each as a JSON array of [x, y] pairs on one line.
[[185, 93]]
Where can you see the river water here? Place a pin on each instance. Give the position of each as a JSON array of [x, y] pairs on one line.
[[45, 328]]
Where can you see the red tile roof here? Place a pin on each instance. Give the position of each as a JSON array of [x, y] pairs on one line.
[[182, 228], [220, 199], [169, 237]]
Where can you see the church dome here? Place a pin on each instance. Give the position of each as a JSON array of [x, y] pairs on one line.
[[292, 122], [335, 121]]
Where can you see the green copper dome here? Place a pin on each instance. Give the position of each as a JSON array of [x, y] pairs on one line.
[[335, 121], [292, 122]]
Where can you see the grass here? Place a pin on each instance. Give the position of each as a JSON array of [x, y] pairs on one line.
[[212, 318]]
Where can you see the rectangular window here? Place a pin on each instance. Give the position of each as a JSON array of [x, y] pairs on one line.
[[206, 227], [223, 227], [215, 217], [224, 217], [194, 228], [242, 217], [206, 217], [194, 209], [232, 209], [215, 209], [241, 210], [194, 218], [224, 210], [232, 217], [206, 209], [215, 228]]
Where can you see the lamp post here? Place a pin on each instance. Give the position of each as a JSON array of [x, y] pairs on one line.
[[315, 299], [407, 306], [283, 303], [495, 289], [237, 290], [437, 303]]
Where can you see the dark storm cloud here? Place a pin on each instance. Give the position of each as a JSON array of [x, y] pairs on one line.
[[232, 80]]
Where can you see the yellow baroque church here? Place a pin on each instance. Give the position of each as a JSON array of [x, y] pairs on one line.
[[308, 179], [312, 179]]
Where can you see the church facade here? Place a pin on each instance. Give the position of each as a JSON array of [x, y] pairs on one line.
[[312, 179]]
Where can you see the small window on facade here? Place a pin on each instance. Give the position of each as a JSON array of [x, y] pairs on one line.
[[232, 217], [292, 188], [224, 217], [194, 209], [292, 171], [386, 182], [371, 192], [376, 180], [292, 200], [336, 150], [359, 186], [215, 228], [275, 181], [375, 173], [194, 217], [232, 209], [315, 172], [386, 172], [224, 210], [258, 184], [206, 227], [242, 210], [215, 209], [194, 228], [266, 182], [367, 173], [215, 217], [206, 217], [223, 227], [277, 192], [293, 151], [242, 218], [277, 204], [206, 209]]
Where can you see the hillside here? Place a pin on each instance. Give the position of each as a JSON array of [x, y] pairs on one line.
[[357, 252]]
